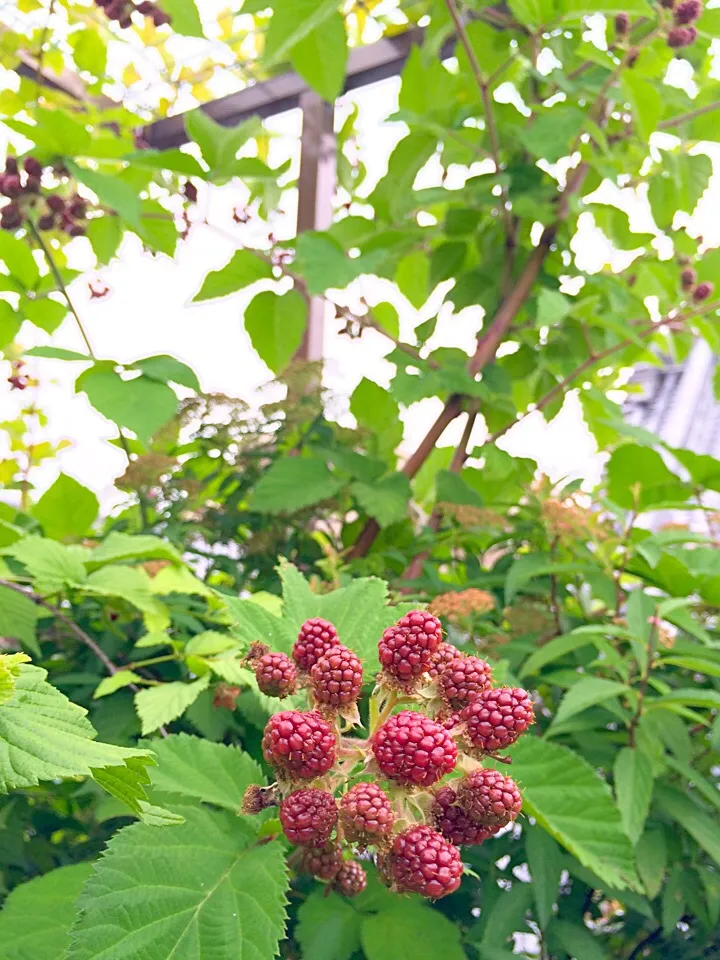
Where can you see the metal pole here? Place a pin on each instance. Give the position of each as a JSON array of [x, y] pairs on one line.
[[316, 188]]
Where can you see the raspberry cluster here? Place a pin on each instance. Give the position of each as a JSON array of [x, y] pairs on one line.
[[683, 33], [121, 12], [28, 197], [385, 795]]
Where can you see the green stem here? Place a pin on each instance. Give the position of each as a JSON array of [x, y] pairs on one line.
[[151, 660]]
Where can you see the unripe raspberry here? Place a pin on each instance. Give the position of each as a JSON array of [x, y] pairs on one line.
[[413, 750], [337, 677], [488, 797], [315, 639], [421, 861], [688, 278], [55, 203], [301, 746], [366, 813], [497, 718], [276, 675], [688, 11], [454, 824], [622, 24], [351, 879], [681, 37], [308, 817], [406, 649], [442, 656], [702, 291], [322, 862], [463, 680], [11, 185], [33, 167]]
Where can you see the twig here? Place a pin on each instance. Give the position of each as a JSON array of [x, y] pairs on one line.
[[690, 115], [642, 690]]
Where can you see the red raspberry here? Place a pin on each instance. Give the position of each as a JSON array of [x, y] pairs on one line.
[[442, 656], [463, 680], [454, 824], [308, 817], [322, 862], [276, 675], [681, 37], [337, 677], [488, 797], [688, 11], [497, 718], [406, 650], [421, 861], [688, 278], [301, 746], [413, 750], [315, 639], [351, 879], [702, 291], [366, 814]]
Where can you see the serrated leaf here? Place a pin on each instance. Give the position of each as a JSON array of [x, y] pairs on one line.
[[386, 500], [275, 325], [178, 580], [410, 931], [292, 483], [52, 565], [569, 800], [230, 903], [586, 693], [243, 269], [165, 369], [159, 705], [141, 404], [545, 863], [66, 509], [124, 546], [128, 583], [651, 859], [328, 927], [9, 672], [127, 784], [633, 775], [116, 681], [577, 940], [50, 901], [252, 621], [378, 412], [18, 619]]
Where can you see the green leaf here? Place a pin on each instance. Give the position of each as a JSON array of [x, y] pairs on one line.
[[165, 369], [50, 563], [127, 784], [586, 693], [66, 509], [111, 191], [173, 159], [275, 325], [293, 20], [323, 263], [453, 488], [292, 483], [552, 132], [673, 900], [552, 307], [10, 323], [141, 404], [105, 234], [387, 499], [392, 196], [219, 145], [242, 269], [646, 102], [560, 646], [577, 940], [116, 681], [410, 931], [57, 353], [46, 314], [386, 316], [49, 901], [17, 257], [375, 409], [159, 705], [9, 673], [43, 736], [202, 891], [124, 546], [505, 916], [89, 51], [651, 859], [413, 278], [533, 13], [321, 56], [250, 621], [633, 775], [211, 772], [690, 697], [529, 566], [185, 17], [328, 927], [638, 477], [18, 619], [569, 800], [545, 861], [157, 228]]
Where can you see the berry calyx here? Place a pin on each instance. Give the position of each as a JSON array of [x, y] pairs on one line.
[[463, 680], [322, 862], [315, 639], [454, 824], [497, 718], [308, 817], [366, 814], [702, 291], [337, 677], [258, 798], [351, 879], [688, 278], [276, 675], [442, 656], [411, 749], [406, 649], [688, 12], [422, 861], [489, 798], [301, 746]]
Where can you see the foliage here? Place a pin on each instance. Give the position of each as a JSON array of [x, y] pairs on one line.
[[241, 522]]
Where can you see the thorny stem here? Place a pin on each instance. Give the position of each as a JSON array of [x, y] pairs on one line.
[[642, 690]]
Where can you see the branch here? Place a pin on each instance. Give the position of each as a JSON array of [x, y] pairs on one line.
[[691, 115], [645, 680]]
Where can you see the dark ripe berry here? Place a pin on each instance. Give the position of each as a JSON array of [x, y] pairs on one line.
[[702, 291], [190, 191], [308, 817], [488, 797], [454, 824], [688, 11], [413, 750], [32, 167], [422, 861], [160, 18], [301, 746], [10, 217], [443, 655], [11, 185], [276, 675], [314, 640], [497, 718], [11, 165], [622, 24], [366, 813], [406, 649], [55, 203], [681, 37], [337, 677], [125, 21], [688, 278], [77, 208], [33, 185], [463, 680], [145, 8], [75, 230], [46, 221], [351, 879], [322, 862]]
